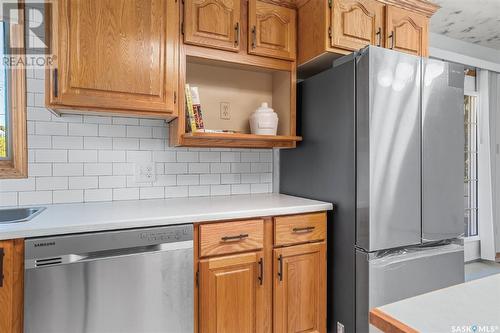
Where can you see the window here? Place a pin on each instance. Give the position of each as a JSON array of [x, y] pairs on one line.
[[471, 160], [13, 149]]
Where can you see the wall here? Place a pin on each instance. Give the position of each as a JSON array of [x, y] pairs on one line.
[[77, 158]]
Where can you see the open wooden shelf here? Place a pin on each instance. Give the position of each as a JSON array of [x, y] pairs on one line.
[[238, 140]]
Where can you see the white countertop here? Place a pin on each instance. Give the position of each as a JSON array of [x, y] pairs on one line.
[[455, 309], [99, 216]]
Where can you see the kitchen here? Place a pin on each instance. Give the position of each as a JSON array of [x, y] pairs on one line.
[[242, 165]]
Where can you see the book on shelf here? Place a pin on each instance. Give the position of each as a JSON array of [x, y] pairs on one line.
[[198, 117], [194, 115], [190, 120]]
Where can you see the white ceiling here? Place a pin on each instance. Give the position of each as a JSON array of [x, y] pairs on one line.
[[473, 21]]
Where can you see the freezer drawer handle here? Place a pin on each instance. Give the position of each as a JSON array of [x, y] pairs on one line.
[[303, 230], [234, 238]]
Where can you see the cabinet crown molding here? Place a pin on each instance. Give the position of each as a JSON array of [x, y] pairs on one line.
[[423, 7]]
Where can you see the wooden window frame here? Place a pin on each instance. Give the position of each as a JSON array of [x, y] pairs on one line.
[[17, 165]]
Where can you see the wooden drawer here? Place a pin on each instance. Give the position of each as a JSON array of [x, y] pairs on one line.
[[231, 237], [299, 228]]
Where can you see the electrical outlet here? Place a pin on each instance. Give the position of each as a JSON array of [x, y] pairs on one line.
[[145, 172], [340, 327], [225, 110]]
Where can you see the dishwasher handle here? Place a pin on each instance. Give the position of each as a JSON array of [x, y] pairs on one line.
[[107, 254]]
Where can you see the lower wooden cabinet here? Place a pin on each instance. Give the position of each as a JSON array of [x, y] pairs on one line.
[[11, 285], [231, 293], [273, 288], [300, 288]]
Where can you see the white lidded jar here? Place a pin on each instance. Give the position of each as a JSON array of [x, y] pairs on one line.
[[264, 121]]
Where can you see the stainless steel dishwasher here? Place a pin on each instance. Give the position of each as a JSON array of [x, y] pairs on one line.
[[137, 281]]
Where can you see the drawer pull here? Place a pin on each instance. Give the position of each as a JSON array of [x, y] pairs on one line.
[[234, 238], [303, 230], [261, 268]]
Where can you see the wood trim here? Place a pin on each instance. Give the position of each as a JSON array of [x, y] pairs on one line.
[[388, 324], [267, 307], [237, 140], [423, 7], [497, 257], [12, 291], [196, 290], [17, 167]]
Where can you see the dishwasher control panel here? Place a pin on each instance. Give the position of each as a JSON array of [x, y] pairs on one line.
[[176, 234]]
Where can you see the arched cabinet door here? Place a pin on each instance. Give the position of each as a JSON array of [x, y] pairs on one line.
[[406, 31], [271, 30], [356, 24], [213, 23]]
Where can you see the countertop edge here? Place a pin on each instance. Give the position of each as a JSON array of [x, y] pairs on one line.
[[387, 323], [165, 221]]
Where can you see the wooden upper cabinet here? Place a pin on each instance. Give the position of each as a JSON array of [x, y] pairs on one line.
[[406, 31], [356, 23], [213, 23], [300, 288], [271, 30], [115, 55], [232, 294]]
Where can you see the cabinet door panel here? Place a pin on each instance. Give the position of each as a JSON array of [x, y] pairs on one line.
[[271, 30], [300, 288], [231, 294], [116, 54], [406, 31], [212, 23], [356, 23]]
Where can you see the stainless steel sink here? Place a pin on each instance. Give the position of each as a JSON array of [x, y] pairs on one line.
[[16, 215]]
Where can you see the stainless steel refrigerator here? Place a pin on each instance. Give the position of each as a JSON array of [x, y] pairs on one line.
[[384, 141]]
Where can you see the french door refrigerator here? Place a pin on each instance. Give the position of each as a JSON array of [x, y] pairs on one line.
[[383, 140]]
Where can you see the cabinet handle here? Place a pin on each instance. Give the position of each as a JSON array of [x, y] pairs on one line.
[[280, 267], [254, 37], [303, 230], [261, 270], [1, 266], [392, 36], [234, 238], [237, 32], [56, 92], [379, 37]]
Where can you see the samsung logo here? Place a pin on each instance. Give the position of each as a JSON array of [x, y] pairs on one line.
[[45, 244]]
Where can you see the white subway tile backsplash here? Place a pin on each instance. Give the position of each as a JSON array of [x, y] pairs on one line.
[[139, 132], [67, 142], [125, 194], [91, 142], [82, 158], [199, 191], [83, 183], [40, 141], [67, 196], [35, 198], [98, 169], [67, 169], [98, 195], [51, 128], [51, 183], [84, 129], [39, 169], [112, 130], [151, 193], [51, 156], [112, 156]]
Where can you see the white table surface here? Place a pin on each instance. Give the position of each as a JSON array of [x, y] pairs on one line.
[[470, 307], [99, 216]]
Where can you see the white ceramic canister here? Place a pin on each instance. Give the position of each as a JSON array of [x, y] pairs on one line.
[[264, 121]]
